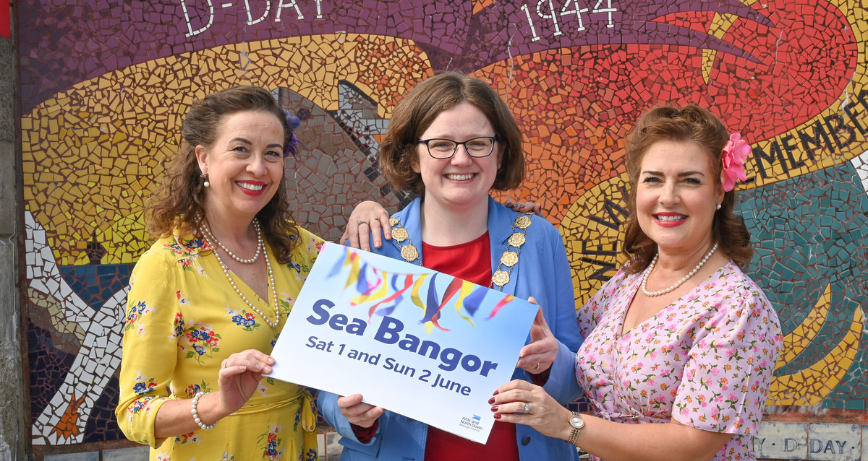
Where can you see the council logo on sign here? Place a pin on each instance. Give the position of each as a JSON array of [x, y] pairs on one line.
[[471, 423]]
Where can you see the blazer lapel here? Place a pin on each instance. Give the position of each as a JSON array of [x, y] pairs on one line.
[[412, 223]]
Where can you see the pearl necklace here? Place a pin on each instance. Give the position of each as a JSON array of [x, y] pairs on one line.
[[270, 280], [259, 244], [678, 283]]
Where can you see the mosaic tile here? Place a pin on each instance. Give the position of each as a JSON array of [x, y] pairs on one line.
[[103, 146], [104, 90], [102, 424], [48, 367]]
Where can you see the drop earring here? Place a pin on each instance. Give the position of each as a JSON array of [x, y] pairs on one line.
[[208, 184]]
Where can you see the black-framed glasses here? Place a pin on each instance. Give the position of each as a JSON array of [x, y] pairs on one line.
[[442, 149]]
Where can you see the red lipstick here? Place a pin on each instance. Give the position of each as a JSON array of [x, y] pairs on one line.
[[251, 192], [668, 223]]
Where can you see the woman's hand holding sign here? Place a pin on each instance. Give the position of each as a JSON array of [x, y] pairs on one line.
[[239, 377], [358, 413], [538, 356]]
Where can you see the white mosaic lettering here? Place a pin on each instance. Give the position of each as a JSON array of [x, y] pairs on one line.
[[530, 22], [293, 4], [546, 9], [608, 10], [250, 20], [578, 11], [190, 31], [553, 16]]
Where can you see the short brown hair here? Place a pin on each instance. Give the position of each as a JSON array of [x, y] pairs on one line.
[[179, 198], [701, 127], [417, 111]]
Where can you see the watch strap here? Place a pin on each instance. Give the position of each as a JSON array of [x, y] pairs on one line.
[[575, 434]]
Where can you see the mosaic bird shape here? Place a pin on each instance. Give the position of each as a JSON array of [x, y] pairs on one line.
[[63, 420]]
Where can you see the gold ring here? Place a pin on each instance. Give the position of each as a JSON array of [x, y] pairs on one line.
[[361, 221]]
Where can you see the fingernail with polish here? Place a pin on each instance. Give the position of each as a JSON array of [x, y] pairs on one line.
[[497, 416], [491, 400], [495, 393], [494, 408]]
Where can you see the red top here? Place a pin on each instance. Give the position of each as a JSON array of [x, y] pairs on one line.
[[469, 261]]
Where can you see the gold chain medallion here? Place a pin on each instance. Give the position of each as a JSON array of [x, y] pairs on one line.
[[522, 222], [516, 239], [400, 234], [409, 253], [509, 258], [500, 278]]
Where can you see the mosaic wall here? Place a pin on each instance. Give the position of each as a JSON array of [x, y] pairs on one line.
[[105, 83]]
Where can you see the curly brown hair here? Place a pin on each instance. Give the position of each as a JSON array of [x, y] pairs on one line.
[[417, 111], [688, 124], [178, 202]]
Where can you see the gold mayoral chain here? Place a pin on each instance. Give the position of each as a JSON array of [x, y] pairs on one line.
[[509, 258]]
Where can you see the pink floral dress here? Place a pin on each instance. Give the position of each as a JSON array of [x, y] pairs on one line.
[[705, 360]]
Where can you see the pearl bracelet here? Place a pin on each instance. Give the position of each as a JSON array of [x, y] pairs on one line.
[[196, 413]]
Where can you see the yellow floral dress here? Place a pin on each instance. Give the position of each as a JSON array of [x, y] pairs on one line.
[[183, 320]]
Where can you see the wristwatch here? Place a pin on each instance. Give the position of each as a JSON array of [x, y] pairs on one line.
[[578, 424]]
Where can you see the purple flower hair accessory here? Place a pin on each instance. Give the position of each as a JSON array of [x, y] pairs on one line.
[[293, 123]]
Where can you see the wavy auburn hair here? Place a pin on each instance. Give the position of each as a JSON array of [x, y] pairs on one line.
[[178, 202], [689, 124], [417, 111]]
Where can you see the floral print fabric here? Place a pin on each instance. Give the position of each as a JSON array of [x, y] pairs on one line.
[[183, 319], [706, 360]]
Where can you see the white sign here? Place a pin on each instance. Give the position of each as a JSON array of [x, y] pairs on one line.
[[414, 341]]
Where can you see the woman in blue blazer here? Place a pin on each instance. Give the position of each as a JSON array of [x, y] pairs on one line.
[[451, 141]]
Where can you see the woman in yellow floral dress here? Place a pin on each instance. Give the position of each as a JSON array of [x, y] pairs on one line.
[[210, 297]]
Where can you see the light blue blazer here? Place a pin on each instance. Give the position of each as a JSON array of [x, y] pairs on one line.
[[542, 272]]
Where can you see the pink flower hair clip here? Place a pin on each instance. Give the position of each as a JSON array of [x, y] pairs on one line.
[[735, 152]]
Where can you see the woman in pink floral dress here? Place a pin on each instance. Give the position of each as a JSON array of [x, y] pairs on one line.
[[680, 336]]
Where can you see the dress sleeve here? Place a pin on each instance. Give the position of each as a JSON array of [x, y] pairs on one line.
[[150, 350], [730, 364]]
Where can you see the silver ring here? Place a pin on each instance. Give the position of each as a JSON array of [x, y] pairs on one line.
[[527, 408], [224, 364], [361, 221], [537, 366]]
